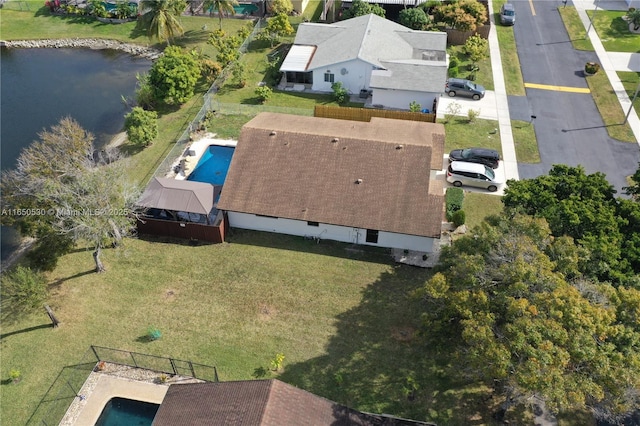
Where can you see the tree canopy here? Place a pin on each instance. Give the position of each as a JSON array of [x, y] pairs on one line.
[[414, 18], [174, 75], [360, 8], [504, 311], [222, 7], [162, 18], [464, 15], [584, 207], [70, 190], [141, 126]]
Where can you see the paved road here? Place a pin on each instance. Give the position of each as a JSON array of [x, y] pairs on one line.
[[568, 125]]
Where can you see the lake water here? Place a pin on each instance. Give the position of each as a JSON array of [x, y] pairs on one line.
[[38, 87]]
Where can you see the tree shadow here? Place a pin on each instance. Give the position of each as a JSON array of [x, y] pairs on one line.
[[192, 37], [26, 330], [57, 283]]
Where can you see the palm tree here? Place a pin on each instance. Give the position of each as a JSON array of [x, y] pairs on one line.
[[221, 6], [634, 17], [162, 18]]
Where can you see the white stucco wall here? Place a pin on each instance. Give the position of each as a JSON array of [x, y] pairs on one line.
[[328, 232], [402, 98], [356, 79]]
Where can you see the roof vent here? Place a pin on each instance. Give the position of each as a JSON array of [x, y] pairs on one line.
[[273, 133], [358, 181], [399, 146], [335, 140]]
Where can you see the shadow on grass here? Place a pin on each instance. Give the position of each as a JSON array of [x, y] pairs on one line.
[[26, 330], [377, 362], [309, 245], [60, 281]]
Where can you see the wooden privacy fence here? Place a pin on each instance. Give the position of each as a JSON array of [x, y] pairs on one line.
[[457, 37], [365, 114]]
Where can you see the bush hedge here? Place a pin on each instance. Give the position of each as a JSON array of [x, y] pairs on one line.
[[453, 201]]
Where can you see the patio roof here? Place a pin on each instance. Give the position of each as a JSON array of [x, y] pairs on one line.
[[179, 195], [298, 58]]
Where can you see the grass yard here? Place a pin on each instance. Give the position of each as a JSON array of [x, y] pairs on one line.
[[484, 76], [575, 28], [614, 31], [524, 138], [630, 81], [609, 107], [509, 55], [477, 206], [338, 315], [462, 134]]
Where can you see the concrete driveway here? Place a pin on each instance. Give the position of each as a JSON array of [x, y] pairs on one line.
[[486, 106]]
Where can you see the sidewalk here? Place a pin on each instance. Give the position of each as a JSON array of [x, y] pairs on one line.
[[612, 61]]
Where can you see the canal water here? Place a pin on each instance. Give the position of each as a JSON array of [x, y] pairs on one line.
[[38, 87]]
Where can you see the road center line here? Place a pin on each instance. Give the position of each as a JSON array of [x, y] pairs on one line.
[[557, 88]]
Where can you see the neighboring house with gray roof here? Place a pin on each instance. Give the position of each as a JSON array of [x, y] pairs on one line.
[[369, 53], [356, 182]]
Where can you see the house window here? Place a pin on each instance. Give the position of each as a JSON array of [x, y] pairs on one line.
[[328, 77], [313, 223], [372, 236]]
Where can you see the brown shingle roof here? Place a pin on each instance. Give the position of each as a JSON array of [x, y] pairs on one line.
[[178, 195], [306, 168], [257, 403]]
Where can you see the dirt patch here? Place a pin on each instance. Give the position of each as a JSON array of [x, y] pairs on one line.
[[403, 334], [117, 140], [170, 295], [266, 312]]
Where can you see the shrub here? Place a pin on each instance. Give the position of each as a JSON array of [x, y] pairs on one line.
[[276, 362], [591, 68], [141, 126], [23, 291], [239, 75], [453, 201], [145, 93], [414, 18], [458, 218], [263, 93], [454, 62], [472, 115], [281, 6], [174, 75], [452, 110], [15, 375], [210, 70], [453, 72], [415, 107], [340, 94]]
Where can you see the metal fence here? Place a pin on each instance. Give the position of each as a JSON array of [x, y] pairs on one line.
[[67, 385], [208, 105]]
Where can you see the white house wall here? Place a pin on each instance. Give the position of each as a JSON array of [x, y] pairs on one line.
[[357, 77], [402, 98], [328, 232]]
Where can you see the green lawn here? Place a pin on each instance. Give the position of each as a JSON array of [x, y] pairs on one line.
[[484, 76], [575, 28], [509, 55], [614, 31], [462, 134], [524, 138], [630, 81], [331, 310], [477, 206]]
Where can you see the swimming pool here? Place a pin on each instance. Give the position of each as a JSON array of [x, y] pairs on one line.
[[122, 411], [213, 165], [241, 9]]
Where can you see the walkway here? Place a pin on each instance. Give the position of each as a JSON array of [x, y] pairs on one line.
[[613, 61]]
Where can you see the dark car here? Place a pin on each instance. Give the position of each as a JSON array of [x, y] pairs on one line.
[[459, 86], [507, 14], [488, 157]]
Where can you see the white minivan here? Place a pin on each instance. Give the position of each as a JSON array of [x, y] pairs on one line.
[[473, 174]]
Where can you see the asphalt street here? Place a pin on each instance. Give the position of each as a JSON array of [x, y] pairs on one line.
[[568, 126]]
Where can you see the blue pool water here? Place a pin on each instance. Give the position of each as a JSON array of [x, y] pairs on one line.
[[241, 9], [127, 412], [213, 165]]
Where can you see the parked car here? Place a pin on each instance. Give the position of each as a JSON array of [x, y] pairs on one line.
[[459, 86], [507, 14], [473, 174], [488, 157]]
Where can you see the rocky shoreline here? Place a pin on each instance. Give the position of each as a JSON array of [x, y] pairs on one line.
[[91, 43]]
